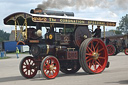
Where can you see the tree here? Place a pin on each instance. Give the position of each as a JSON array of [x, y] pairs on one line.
[[123, 24], [4, 36]]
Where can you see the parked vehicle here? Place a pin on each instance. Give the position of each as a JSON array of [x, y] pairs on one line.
[[10, 46], [117, 43]]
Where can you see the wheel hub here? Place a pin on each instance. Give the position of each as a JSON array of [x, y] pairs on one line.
[[28, 67], [95, 55], [51, 67]]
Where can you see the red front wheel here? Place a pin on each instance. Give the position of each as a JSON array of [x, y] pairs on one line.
[[28, 68], [50, 67]]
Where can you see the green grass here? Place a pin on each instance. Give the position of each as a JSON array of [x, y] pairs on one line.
[[4, 58]]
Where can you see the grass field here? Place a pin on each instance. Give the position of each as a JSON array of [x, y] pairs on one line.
[[4, 57], [19, 53]]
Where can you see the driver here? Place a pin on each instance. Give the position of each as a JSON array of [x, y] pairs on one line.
[[97, 32]]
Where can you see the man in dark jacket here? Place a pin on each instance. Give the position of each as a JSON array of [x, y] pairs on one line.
[[97, 32]]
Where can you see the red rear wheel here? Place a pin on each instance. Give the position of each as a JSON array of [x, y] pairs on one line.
[[126, 51], [28, 68], [50, 67], [93, 55], [111, 50]]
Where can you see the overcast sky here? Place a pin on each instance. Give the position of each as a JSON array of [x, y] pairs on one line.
[[111, 10]]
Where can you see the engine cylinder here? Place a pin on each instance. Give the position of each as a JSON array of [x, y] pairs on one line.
[[43, 49]]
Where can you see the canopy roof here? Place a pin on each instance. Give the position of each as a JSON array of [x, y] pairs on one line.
[[47, 19]]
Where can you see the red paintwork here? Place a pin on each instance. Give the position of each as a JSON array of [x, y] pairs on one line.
[[126, 51], [111, 50], [99, 64], [46, 67]]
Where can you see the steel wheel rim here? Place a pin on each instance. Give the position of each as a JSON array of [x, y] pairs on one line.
[[111, 50], [28, 67], [126, 51], [51, 67], [98, 63]]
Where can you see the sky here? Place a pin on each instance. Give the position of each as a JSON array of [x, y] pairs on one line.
[[111, 10]]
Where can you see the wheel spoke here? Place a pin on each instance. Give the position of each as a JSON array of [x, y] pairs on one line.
[[53, 71], [102, 57], [99, 54], [93, 48], [94, 66], [98, 63], [90, 64], [90, 49], [101, 49], [89, 60], [89, 54], [97, 50], [98, 60], [87, 50], [96, 44], [49, 73], [86, 57]]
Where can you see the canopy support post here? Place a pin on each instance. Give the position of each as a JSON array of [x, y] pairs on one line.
[[26, 36], [15, 30], [64, 29], [92, 28], [104, 31]]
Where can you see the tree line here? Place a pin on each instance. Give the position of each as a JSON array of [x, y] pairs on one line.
[[123, 25], [4, 36]]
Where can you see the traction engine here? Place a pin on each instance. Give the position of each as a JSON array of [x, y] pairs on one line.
[[64, 47]]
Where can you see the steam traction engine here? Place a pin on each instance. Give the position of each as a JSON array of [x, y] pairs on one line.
[[67, 44]]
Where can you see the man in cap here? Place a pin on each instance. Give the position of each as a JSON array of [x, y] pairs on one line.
[[97, 32]]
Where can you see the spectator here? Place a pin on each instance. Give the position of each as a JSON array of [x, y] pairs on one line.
[[17, 52]]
